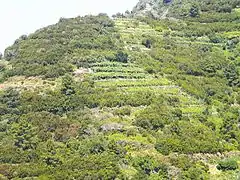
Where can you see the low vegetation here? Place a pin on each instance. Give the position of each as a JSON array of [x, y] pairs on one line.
[[99, 98]]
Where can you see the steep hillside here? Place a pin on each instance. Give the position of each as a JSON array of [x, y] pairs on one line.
[[126, 98], [182, 8]]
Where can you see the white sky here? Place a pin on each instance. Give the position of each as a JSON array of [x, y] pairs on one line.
[[18, 17]]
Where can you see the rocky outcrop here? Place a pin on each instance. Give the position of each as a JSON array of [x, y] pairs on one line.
[[147, 8], [160, 9], [152, 8], [111, 127], [82, 71], [10, 53]]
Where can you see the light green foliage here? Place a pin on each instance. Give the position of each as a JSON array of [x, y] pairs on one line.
[[124, 98]]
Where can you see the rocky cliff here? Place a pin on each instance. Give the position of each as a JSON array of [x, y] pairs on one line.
[[161, 9], [152, 8]]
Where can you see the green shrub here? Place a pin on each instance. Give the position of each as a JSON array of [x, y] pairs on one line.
[[227, 165], [148, 166], [122, 57], [195, 173], [147, 43], [154, 117], [186, 137], [123, 111]]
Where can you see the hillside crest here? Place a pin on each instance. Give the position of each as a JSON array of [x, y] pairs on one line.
[[161, 9]]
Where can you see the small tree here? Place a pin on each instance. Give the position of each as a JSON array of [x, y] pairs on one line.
[[68, 85], [194, 11], [122, 57], [127, 12], [119, 15], [232, 75], [24, 135], [227, 165], [147, 43], [23, 37]]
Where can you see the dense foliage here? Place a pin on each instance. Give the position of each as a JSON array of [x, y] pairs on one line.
[[49, 48], [124, 99], [193, 8], [227, 165]]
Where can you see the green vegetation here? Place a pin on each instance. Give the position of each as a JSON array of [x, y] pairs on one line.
[[99, 98], [193, 8], [227, 165]]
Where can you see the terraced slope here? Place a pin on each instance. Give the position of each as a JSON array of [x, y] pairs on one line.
[[137, 89], [133, 37], [132, 33], [119, 99], [127, 90], [129, 79]]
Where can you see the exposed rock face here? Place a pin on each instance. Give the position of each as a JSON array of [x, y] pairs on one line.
[[82, 71], [161, 9], [112, 127], [147, 8], [10, 53], [158, 9]]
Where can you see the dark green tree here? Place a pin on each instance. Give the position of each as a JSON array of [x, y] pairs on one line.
[[194, 11], [227, 165], [68, 85], [24, 135], [122, 57], [232, 75]]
